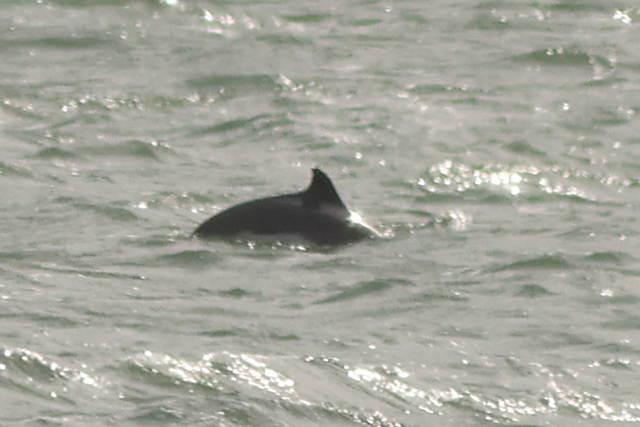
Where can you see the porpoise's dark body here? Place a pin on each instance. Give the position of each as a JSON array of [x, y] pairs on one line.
[[316, 215]]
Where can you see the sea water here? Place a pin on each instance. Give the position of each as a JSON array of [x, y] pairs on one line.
[[494, 143]]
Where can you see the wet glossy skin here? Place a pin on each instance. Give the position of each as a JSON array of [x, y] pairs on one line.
[[316, 215]]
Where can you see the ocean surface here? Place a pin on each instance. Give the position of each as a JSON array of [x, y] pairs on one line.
[[495, 143]]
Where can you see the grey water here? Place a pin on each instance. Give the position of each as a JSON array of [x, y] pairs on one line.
[[495, 143]]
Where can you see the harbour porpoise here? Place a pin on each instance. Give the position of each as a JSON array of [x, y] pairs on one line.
[[315, 215]]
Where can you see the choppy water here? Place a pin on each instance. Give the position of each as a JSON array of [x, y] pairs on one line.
[[496, 141]]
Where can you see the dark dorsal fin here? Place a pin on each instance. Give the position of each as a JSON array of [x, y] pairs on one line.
[[321, 190]]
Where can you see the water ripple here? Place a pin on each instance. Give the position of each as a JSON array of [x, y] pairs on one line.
[[365, 288]]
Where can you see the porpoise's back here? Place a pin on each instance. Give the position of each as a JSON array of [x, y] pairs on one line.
[[316, 215]]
